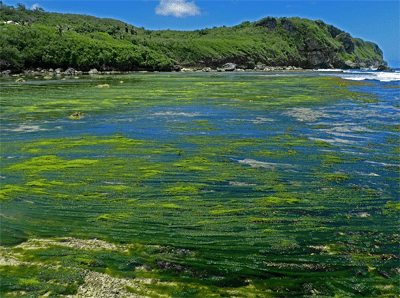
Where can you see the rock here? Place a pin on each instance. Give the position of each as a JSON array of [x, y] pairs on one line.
[[384, 68], [229, 67], [269, 23], [93, 71], [70, 72], [260, 67], [350, 64], [239, 70], [103, 86], [6, 72], [76, 116], [51, 70], [58, 70], [206, 69], [313, 45], [347, 43], [287, 25], [20, 80], [334, 31], [186, 70], [47, 77]]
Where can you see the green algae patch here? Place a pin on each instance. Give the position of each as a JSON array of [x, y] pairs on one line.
[[337, 177], [276, 201], [172, 206], [90, 196], [86, 143], [51, 163], [35, 281], [262, 220], [44, 183], [112, 217], [219, 212], [393, 206], [9, 191], [184, 189]]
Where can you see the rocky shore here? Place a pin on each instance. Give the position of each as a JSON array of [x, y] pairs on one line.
[[227, 67]]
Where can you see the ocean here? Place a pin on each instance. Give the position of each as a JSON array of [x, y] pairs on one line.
[[255, 184]]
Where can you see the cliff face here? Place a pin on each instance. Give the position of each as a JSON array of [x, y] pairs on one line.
[[31, 39], [312, 45]]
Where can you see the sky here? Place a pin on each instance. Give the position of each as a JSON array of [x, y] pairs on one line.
[[376, 21]]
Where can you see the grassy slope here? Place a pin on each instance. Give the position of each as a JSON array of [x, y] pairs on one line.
[[63, 40]]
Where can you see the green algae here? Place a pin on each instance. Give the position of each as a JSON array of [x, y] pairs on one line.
[[50, 163], [112, 217], [8, 191], [337, 177], [215, 224], [227, 212], [273, 201]]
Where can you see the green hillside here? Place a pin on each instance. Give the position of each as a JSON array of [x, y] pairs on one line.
[[41, 39]]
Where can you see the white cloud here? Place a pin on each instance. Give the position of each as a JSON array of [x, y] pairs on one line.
[[177, 8], [35, 6]]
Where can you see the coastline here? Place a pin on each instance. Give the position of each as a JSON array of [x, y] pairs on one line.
[[229, 67]]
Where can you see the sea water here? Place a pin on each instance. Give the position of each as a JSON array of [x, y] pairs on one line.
[[268, 183]]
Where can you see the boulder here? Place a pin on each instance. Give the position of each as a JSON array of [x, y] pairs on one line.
[[6, 72], [260, 67], [93, 71], [186, 70], [229, 67], [350, 64], [20, 80], [58, 70], [70, 72], [206, 69], [383, 67]]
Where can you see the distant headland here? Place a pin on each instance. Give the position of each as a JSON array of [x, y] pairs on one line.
[[32, 39]]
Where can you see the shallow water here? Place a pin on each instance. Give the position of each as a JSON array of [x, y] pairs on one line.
[[273, 183]]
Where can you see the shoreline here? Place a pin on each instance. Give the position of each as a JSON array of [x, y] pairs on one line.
[[228, 67]]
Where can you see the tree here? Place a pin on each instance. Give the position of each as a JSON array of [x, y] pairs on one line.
[[21, 7]]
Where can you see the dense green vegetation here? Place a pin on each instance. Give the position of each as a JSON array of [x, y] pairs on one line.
[[43, 39]]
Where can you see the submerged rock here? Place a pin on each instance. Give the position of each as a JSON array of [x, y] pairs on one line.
[[76, 116]]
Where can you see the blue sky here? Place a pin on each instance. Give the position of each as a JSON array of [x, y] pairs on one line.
[[376, 21]]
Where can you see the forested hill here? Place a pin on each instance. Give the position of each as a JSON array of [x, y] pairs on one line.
[[35, 38]]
